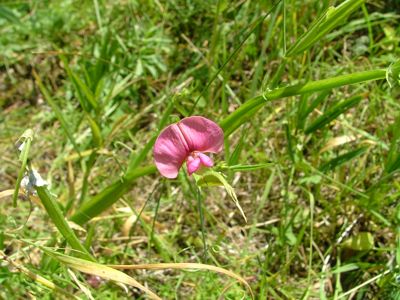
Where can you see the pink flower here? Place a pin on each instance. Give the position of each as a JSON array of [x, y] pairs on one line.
[[187, 140]]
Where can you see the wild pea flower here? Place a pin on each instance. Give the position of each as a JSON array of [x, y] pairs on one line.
[[187, 140]]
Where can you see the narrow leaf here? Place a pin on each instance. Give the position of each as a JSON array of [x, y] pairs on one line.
[[331, 18], [342, 159], [186, 266], [361, 242], [241, 168], [332, 113], [212, 178], [56, 110], [102, 271], [8, 14], [56, 215]]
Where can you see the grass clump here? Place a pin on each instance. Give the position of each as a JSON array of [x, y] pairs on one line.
[[306, 93]]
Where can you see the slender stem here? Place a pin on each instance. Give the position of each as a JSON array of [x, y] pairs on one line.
[[109, 196], [201, 214], [325, 84], [235, 119], [153, 224]]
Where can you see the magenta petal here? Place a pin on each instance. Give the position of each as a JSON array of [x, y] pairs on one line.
[[193, 164], [170, 151], [202, 134], [205, 160]]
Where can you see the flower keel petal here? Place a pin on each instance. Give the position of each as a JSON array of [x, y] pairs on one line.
[[193, 164], [205, 160]]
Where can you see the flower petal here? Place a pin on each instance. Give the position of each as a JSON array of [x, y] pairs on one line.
[[202, 134], [193, 164], [170, 151], [205, 160]]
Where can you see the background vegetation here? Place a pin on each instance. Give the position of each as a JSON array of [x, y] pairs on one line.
[[315, 172]]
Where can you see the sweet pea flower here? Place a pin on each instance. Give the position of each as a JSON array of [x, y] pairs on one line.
[[187, 140]]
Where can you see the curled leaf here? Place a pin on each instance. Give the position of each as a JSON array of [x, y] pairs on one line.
[[212, 178]]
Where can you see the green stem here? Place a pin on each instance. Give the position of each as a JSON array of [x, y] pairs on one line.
[[237, 118], [203, 230], [56, 215], [109, 196]]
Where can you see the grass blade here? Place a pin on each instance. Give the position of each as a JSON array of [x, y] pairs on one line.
[[100, 270], [342, 159], [393, 160], [332, 113], [233, 54], [332, 17], [56, 215], [36, 277], [85, 95], [186, 266], [56, 110], [8, 14], [242, 168]]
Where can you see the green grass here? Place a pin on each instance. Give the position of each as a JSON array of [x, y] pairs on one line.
[[307, 96]]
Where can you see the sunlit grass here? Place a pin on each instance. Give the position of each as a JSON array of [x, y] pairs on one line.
[[307, 97]]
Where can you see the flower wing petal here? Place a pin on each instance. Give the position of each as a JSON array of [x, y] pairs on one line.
[[170, 151], [202, 134]]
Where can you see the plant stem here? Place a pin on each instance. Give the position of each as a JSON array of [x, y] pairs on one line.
[[109, 196], [237, 118]]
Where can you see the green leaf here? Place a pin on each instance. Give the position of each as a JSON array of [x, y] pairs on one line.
[[96, 132], [8, 14], [212, 178], [393, 158], [331, 18], [305, 112], [345, 268], [342, 159], [363, 241], [393, 74], [85, 95], [56, 215], [313, 179], [332, 113], [241, 168], [57, 111], [234, 157]]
